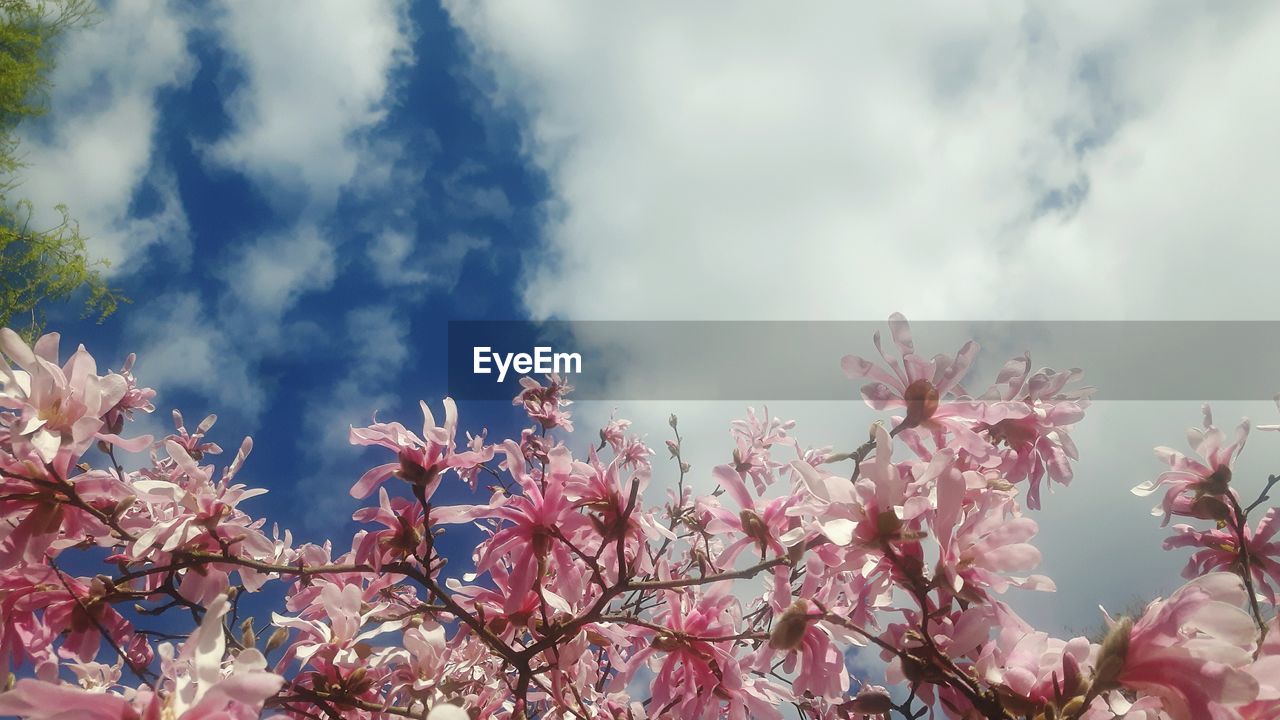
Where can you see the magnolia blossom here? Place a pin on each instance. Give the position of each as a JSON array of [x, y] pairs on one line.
[[1195, 488], [1028, 418], [928, 390], [198, 684], [1219, 548], [594, 581], [420, 460], [1189, 651]]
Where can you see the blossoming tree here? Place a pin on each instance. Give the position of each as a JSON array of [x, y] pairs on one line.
[[737, 594]]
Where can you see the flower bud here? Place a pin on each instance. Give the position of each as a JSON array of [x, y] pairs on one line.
[[1072, 707], [788, 631], [358, 681], [125, 503], [672, 421], [277, 639], [248, 637], [753, 526], [1111, 656], [871, 700]]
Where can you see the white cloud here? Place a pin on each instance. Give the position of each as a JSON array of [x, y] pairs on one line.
[[470, 197], [854, 161], [317, 80], [269, 276], [96, 149], [316, 76], [745, 161], [399, 260], [179, 346]]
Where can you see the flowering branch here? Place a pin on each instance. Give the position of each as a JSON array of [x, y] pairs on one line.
[[586, 597]]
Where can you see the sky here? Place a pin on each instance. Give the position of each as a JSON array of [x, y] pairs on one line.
[[299, 197]]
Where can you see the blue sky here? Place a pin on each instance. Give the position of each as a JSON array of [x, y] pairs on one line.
[[432, 230], [298, 197]]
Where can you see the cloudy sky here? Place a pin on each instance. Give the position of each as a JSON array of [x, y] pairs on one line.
[[298, 197]]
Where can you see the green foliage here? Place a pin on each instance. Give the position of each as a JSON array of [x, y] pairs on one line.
[[37, 264]]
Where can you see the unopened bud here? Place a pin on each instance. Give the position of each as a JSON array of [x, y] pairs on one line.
[[871, 700], [673, 421], [753, 526], [1072, 707], [125, 503], [1111, 657], [247, 637], [277, 639], [788, 631]]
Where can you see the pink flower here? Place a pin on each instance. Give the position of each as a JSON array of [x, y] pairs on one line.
[[755, 437], [926, 389], [1195, 486], [1218, 549], [74, 606], [36, 700], [1028, 419], [809, 653], [1190, 650], [402, 521], [884, 504], [420, 460], [56, 407], [546, 404], [534, 521], [990, 539], [199, 686], [757, 523], [696, 667], [1027, 663], [1266, 670]]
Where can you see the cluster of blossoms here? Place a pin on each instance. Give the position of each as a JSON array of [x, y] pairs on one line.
[[590, 598]]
